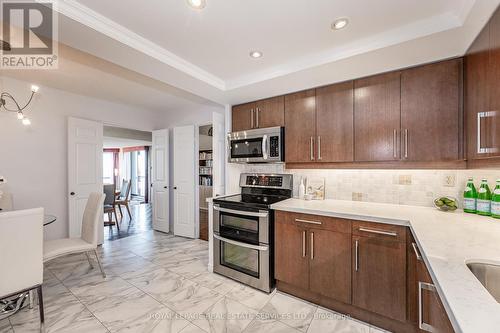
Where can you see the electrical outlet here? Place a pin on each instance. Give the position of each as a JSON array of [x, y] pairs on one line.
[[449, 180], [404, 179], [356, 196]]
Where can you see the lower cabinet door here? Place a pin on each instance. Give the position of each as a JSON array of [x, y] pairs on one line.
[[291, 254], [432, 315], [379, 276], [330, 264]]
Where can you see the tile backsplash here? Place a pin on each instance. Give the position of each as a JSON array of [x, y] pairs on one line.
[[404, 187]]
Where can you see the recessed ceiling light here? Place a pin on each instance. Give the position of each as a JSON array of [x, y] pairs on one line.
[[256, 54], [340, 23], [197, 4]]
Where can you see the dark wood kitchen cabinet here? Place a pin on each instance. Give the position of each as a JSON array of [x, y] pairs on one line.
[[379, 269], [268, 112], [335, 123], [300, 126], [292, 265], [427, 311], [243, 117], [411, 118], [482, 100], [313, 253], [431, 112], [377, 117]]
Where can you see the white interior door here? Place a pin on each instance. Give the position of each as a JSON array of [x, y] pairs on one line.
[[219, 154], [185, 219], [84, 170], [160, 180]]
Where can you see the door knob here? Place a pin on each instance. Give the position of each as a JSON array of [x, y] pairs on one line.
[[175, 187], [165, 186], [72, 193]]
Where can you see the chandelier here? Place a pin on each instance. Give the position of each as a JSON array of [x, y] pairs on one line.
[[5, 96]]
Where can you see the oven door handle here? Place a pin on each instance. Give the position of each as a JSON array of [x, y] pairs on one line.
[[245, 245], [240, 212]]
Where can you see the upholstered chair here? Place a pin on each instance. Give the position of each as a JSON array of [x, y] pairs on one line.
[[21, 254], [87, 242]]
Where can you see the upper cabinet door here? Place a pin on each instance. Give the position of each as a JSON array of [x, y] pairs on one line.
[[377, 111], [300, 126], [492, 118], [270, 112], [476, 88], [335, 123], [243, 117], [431, 125]]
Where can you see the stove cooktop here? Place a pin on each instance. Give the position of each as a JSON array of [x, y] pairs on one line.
[[252, 200], [260, 190]]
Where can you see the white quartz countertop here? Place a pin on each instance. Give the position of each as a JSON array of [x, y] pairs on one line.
[[447, 241]]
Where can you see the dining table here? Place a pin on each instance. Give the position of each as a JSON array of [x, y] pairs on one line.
[[12, 304]]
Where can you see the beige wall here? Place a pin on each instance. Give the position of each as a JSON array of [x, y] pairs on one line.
[[34, 159]]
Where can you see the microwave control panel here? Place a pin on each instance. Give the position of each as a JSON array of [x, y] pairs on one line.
[[274, 146]]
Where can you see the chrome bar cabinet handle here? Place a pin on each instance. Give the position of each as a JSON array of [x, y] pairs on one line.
[[319, 147], [304, 244], [421, 324], [379, 232], [480, 148], [308, 221], [251, 118], [312, 245], [394, 143], [312, 148], [356, 256], [406, 143], [257, 117], [414, 245]]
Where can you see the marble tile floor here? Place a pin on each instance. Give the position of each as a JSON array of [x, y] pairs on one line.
[[159, 283]]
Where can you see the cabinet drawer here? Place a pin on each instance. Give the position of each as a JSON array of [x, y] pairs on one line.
[[315, 221], [381, 230]]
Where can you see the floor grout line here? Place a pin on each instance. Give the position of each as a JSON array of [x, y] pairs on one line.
[[79, 300]]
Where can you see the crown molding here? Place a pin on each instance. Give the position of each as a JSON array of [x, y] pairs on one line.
[[86, 16], [384, 39], [104, 25]]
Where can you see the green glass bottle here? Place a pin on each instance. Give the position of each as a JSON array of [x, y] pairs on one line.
[[495, 201], [470, 197], [484, 199]]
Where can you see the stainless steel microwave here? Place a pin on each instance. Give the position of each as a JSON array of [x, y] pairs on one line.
[[263, 145]]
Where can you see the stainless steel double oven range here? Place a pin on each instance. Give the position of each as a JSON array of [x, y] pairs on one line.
[[244, 229]]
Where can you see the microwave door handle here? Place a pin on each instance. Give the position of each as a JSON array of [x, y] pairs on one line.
[[245, 245], [240, 212], [264, 147]]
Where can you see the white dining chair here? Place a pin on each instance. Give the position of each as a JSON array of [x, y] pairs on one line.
[[87, 242], [21, 255]]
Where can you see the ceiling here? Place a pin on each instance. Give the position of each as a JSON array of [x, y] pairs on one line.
[[219, 38], [77, 72], [206, 52], [169, 56]]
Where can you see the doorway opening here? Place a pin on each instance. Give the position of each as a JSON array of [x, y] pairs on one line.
[[126, 179], [205, 175]]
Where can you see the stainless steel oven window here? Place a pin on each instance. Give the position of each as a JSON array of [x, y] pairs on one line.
[[243, 223], [245, 148], [239, 258]]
